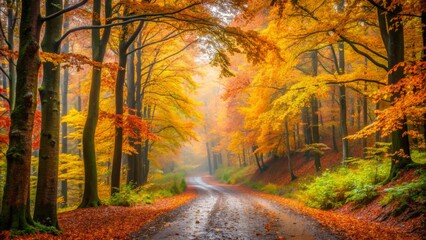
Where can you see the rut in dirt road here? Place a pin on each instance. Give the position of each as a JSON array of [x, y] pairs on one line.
[[220, 212]]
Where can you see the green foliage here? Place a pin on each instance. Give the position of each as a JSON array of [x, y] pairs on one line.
[[127, 196], [270, 188], [37, 228], [345, 184], [314, 148], [362, 195], [164, 185], [233, 175], [413, 193], [161, 186], [418, 156]]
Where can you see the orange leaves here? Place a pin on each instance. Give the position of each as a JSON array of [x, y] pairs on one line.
[[110, 222], [407, 97]]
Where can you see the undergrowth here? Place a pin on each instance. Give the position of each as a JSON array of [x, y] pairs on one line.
[[408, 195], [161, 186], [357, 183]]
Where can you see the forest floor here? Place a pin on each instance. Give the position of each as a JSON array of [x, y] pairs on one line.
[[372, 221], [110, 222]]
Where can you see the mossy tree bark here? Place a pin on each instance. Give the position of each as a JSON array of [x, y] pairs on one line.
[[45, 210], [15, 198], [99, 44]]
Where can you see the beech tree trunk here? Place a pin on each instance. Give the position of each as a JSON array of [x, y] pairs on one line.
[[287, 143], [45, 209], [119, 104], [64, 125], [131, 104], [423, 4], [16, 190], [90, 193], [314, 107], [342, 96], [209, 159], [364, 120], [119, 101], [12, 13], [393, 39]]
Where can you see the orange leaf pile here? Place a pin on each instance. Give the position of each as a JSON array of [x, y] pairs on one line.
[[110, 222]]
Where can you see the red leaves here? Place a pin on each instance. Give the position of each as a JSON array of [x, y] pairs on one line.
[[5, 125]]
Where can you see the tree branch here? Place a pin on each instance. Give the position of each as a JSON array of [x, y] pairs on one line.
[[368, 57], [65, 10], [5, 98], [156, 14], [386, 10], [364, 46]]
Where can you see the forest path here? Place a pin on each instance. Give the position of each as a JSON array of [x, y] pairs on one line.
[[222, 212]]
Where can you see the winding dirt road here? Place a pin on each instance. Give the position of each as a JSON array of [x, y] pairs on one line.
[[221, 212]]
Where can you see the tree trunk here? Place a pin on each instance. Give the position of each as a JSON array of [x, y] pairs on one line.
[[244, 156], [131, 104], [342, 95], [90, 194], [394, 41], [314, 107], [15, 198], [4, 78], [11, 18], [64, 126], [423, 5], [45, 210], [287, 143], [209, 159], [378, 137], [214, 162], [119, 101], [364, 119], [343, 126]]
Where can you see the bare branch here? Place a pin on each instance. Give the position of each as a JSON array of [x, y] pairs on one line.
[[65, 10]]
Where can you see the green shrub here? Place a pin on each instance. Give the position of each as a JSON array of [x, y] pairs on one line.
[[126, 196], [362, 195], [356, 183], [413, 192], [418, 156], [166, 185], [270, 188], [255, 185]]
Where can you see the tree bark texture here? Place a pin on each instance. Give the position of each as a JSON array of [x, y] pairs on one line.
[[16, 190], [45, 210]]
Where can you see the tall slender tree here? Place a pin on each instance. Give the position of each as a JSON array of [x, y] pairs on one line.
[[99, 44]]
